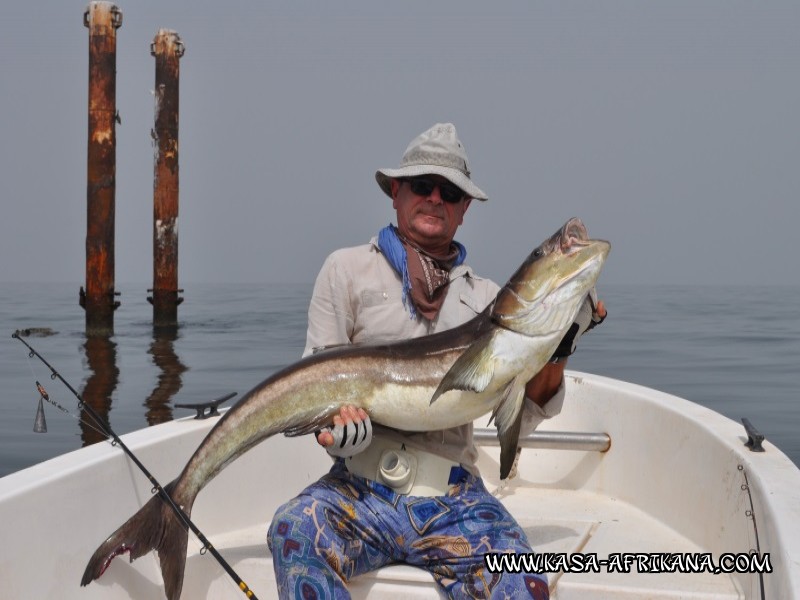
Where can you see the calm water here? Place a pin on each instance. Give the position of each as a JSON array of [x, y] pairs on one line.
[[733, 349]]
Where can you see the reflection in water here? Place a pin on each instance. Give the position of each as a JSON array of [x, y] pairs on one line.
[[169, 380], [101, 356]]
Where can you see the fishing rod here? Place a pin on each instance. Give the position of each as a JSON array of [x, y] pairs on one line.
[[157, 487]]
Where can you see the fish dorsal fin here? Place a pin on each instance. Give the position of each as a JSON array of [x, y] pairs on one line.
[[508, 418], [472, 371]]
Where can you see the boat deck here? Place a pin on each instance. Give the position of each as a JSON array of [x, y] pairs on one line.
[[556, 521]]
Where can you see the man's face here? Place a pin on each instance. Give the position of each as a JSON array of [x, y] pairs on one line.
[[427, 220]]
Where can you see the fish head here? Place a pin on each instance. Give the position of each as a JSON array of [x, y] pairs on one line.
[[544, 295]]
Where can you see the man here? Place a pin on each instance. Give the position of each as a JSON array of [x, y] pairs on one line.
[[400, 496]]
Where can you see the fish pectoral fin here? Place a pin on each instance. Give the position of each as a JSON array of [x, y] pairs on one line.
[[508, 417], [472, 371], [311, 426]]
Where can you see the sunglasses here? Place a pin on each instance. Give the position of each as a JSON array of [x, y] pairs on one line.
[[424, 187]]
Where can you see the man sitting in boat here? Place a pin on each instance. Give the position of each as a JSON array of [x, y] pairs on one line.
[[394, 496]]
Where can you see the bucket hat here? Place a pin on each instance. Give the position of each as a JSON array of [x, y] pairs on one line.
[[438, 151]]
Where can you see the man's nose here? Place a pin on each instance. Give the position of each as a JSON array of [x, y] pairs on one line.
[[435, 196]]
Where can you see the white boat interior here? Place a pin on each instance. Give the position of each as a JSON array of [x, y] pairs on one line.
[[676, 478]]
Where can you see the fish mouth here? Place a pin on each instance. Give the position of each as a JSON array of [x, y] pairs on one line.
[[573, 235], [574, 241]]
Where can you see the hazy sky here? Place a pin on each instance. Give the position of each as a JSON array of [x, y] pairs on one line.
[[671, 128]]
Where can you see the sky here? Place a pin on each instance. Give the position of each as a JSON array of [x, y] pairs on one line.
[[671, 128]]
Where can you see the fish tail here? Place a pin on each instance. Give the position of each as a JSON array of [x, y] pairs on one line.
[[154, 527]]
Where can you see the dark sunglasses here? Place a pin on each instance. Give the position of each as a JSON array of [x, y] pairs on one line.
[[424, 187]]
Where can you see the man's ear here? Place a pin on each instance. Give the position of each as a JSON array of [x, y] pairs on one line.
[[466, 206], [395, 188]]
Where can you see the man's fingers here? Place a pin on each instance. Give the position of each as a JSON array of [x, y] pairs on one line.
[[350, 434], [351, 415], [325, 438]]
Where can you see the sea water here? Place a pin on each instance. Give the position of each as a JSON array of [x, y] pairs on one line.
[[733, 349]]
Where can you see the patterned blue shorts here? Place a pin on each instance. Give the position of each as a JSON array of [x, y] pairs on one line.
[[344, 525]]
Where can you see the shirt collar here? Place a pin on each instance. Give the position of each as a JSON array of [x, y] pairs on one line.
[[461, 270]]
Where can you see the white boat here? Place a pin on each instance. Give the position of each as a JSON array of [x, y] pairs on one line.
[[676, 481]]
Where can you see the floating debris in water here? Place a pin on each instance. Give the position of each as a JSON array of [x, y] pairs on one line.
[[36, 332]]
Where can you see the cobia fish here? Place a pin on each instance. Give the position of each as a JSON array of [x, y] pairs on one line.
[[430, 383]]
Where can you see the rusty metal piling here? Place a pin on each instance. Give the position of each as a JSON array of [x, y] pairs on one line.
[[167, 48], [98, 299]]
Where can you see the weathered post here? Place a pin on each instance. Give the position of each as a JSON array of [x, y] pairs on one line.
[[103, 19], [167, 49]]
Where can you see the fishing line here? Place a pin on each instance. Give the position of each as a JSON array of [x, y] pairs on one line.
[[157, 487], [40, 425], [30, 366], [43, 395]]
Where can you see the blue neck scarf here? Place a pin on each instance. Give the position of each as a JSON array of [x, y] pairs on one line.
[[393, 249]]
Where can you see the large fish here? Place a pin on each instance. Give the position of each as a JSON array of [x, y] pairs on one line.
[[430, 383]]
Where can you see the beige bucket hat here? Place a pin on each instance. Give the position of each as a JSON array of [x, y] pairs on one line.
[[437, 151]]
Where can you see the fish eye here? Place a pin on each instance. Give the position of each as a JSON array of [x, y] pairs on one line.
[[538, 252]]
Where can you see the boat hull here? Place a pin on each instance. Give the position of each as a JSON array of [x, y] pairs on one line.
[[674, 470]]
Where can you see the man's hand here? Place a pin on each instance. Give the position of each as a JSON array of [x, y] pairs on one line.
[[351, 433]]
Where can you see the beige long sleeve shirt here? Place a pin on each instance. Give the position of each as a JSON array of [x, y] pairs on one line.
[[357, 298]]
